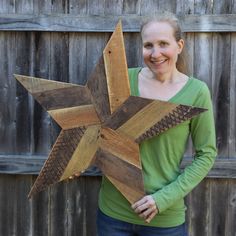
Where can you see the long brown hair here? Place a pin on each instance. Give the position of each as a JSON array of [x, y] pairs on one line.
[[170, 18]]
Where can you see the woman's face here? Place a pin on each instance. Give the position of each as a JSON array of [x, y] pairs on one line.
[[160, 49]]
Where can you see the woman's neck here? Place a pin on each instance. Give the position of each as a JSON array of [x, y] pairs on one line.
[[166, 78]]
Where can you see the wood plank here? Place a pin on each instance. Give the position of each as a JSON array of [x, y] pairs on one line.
[[73, 117], [98, 87], [126, 111], [40, 66], [122, 171], [82, 203], [219, 193], [131, 7], [78, 7], [40, 214], [84, 153], [23, 105], [158, 116], [8, 205], [55, 95], [133, 49], [231, 208], [232, 111], [120, 145], [203, 7], [57, 216], [22, 164], [7, 7], [152, 6], [72, 23], [8, 99], [113, 7], [131, 194], [78, 57], [37, 85], [58, 159], [116, 69], [198, 211]]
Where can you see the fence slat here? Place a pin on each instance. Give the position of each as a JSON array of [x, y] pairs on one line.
[[131, 23]]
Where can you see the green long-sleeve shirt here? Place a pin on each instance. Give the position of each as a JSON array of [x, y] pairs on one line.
[[161, 157]]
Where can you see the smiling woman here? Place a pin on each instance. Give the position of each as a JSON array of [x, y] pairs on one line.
[[162, 211]]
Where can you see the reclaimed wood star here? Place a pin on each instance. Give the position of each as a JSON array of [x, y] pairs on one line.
[[101, 123]]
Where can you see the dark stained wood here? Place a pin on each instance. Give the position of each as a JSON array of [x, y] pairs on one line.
[[104, 160], [97, 85], [53, 95], [126, 111], [58, 159]]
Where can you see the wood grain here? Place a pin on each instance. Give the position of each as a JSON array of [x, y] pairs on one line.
[[98, 88], [58, 159], [131, 23], [84, 153], [116, 69], [146, 118], [120, 170], [73, 117]]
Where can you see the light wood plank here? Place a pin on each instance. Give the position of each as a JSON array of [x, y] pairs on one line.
[[73, 117], [116, 69], [146, 118], [120, 145], [84, 153]]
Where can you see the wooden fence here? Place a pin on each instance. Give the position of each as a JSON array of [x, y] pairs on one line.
[[62, 40]]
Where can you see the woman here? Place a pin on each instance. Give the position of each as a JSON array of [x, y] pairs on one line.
[[162, 210]]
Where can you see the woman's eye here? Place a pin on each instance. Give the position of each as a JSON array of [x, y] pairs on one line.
[[163, 44], [148, 45]]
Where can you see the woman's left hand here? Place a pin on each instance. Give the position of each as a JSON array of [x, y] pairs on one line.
[[146, 208]]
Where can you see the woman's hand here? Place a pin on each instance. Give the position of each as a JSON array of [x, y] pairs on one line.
[[146, 208]]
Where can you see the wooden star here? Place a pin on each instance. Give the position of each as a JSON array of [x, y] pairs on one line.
[[101, 123]]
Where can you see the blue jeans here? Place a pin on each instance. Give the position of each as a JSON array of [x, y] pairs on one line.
[[107, 226]]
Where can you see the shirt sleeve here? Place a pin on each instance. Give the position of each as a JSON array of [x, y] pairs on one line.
[[202, 130]]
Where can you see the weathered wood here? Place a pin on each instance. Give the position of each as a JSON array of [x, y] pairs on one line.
[[124, 172], [84, 153], [97, 85], [71, 209], [232, 86], [120, 145], [219, 192], [198, 210], [231, 207], [69, 23], [116, 69], [73, 117], [21, 164], [126, 111], [53, 95], [131, 7], [58, 159], [155, 118]]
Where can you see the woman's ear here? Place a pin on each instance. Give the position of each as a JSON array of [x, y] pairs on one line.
[[180, 45]]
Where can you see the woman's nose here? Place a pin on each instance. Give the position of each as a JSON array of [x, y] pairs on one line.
[[156, 52]]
